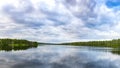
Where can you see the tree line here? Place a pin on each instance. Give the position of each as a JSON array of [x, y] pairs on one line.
[[16, 44], [111, 43]]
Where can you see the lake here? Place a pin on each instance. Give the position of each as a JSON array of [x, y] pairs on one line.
[[61, 56]]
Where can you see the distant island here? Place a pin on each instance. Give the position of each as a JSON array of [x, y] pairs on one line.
[[108, 43], [16, 44]]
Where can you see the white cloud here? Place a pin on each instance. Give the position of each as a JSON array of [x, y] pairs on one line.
[[58, 20]]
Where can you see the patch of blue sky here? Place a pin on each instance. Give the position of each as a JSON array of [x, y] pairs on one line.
[[112, 4]]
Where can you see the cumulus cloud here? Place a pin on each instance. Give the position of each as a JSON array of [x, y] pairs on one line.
[[59, 20]]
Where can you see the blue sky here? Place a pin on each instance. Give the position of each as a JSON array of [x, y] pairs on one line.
[[60, 20]]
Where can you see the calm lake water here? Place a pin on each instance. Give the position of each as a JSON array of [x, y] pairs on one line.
[[54, 56]]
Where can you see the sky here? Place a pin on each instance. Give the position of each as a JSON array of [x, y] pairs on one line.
[[60, 20]]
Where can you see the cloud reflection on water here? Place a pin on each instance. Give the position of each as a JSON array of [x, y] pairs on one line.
[[59, 57]]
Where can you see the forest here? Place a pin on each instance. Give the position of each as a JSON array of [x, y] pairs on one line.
[[16, 44], [108, 43]]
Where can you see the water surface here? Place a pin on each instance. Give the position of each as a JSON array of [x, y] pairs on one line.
[[56, 56]]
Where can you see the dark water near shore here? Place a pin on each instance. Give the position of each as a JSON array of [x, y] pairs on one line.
[[53, 56]]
